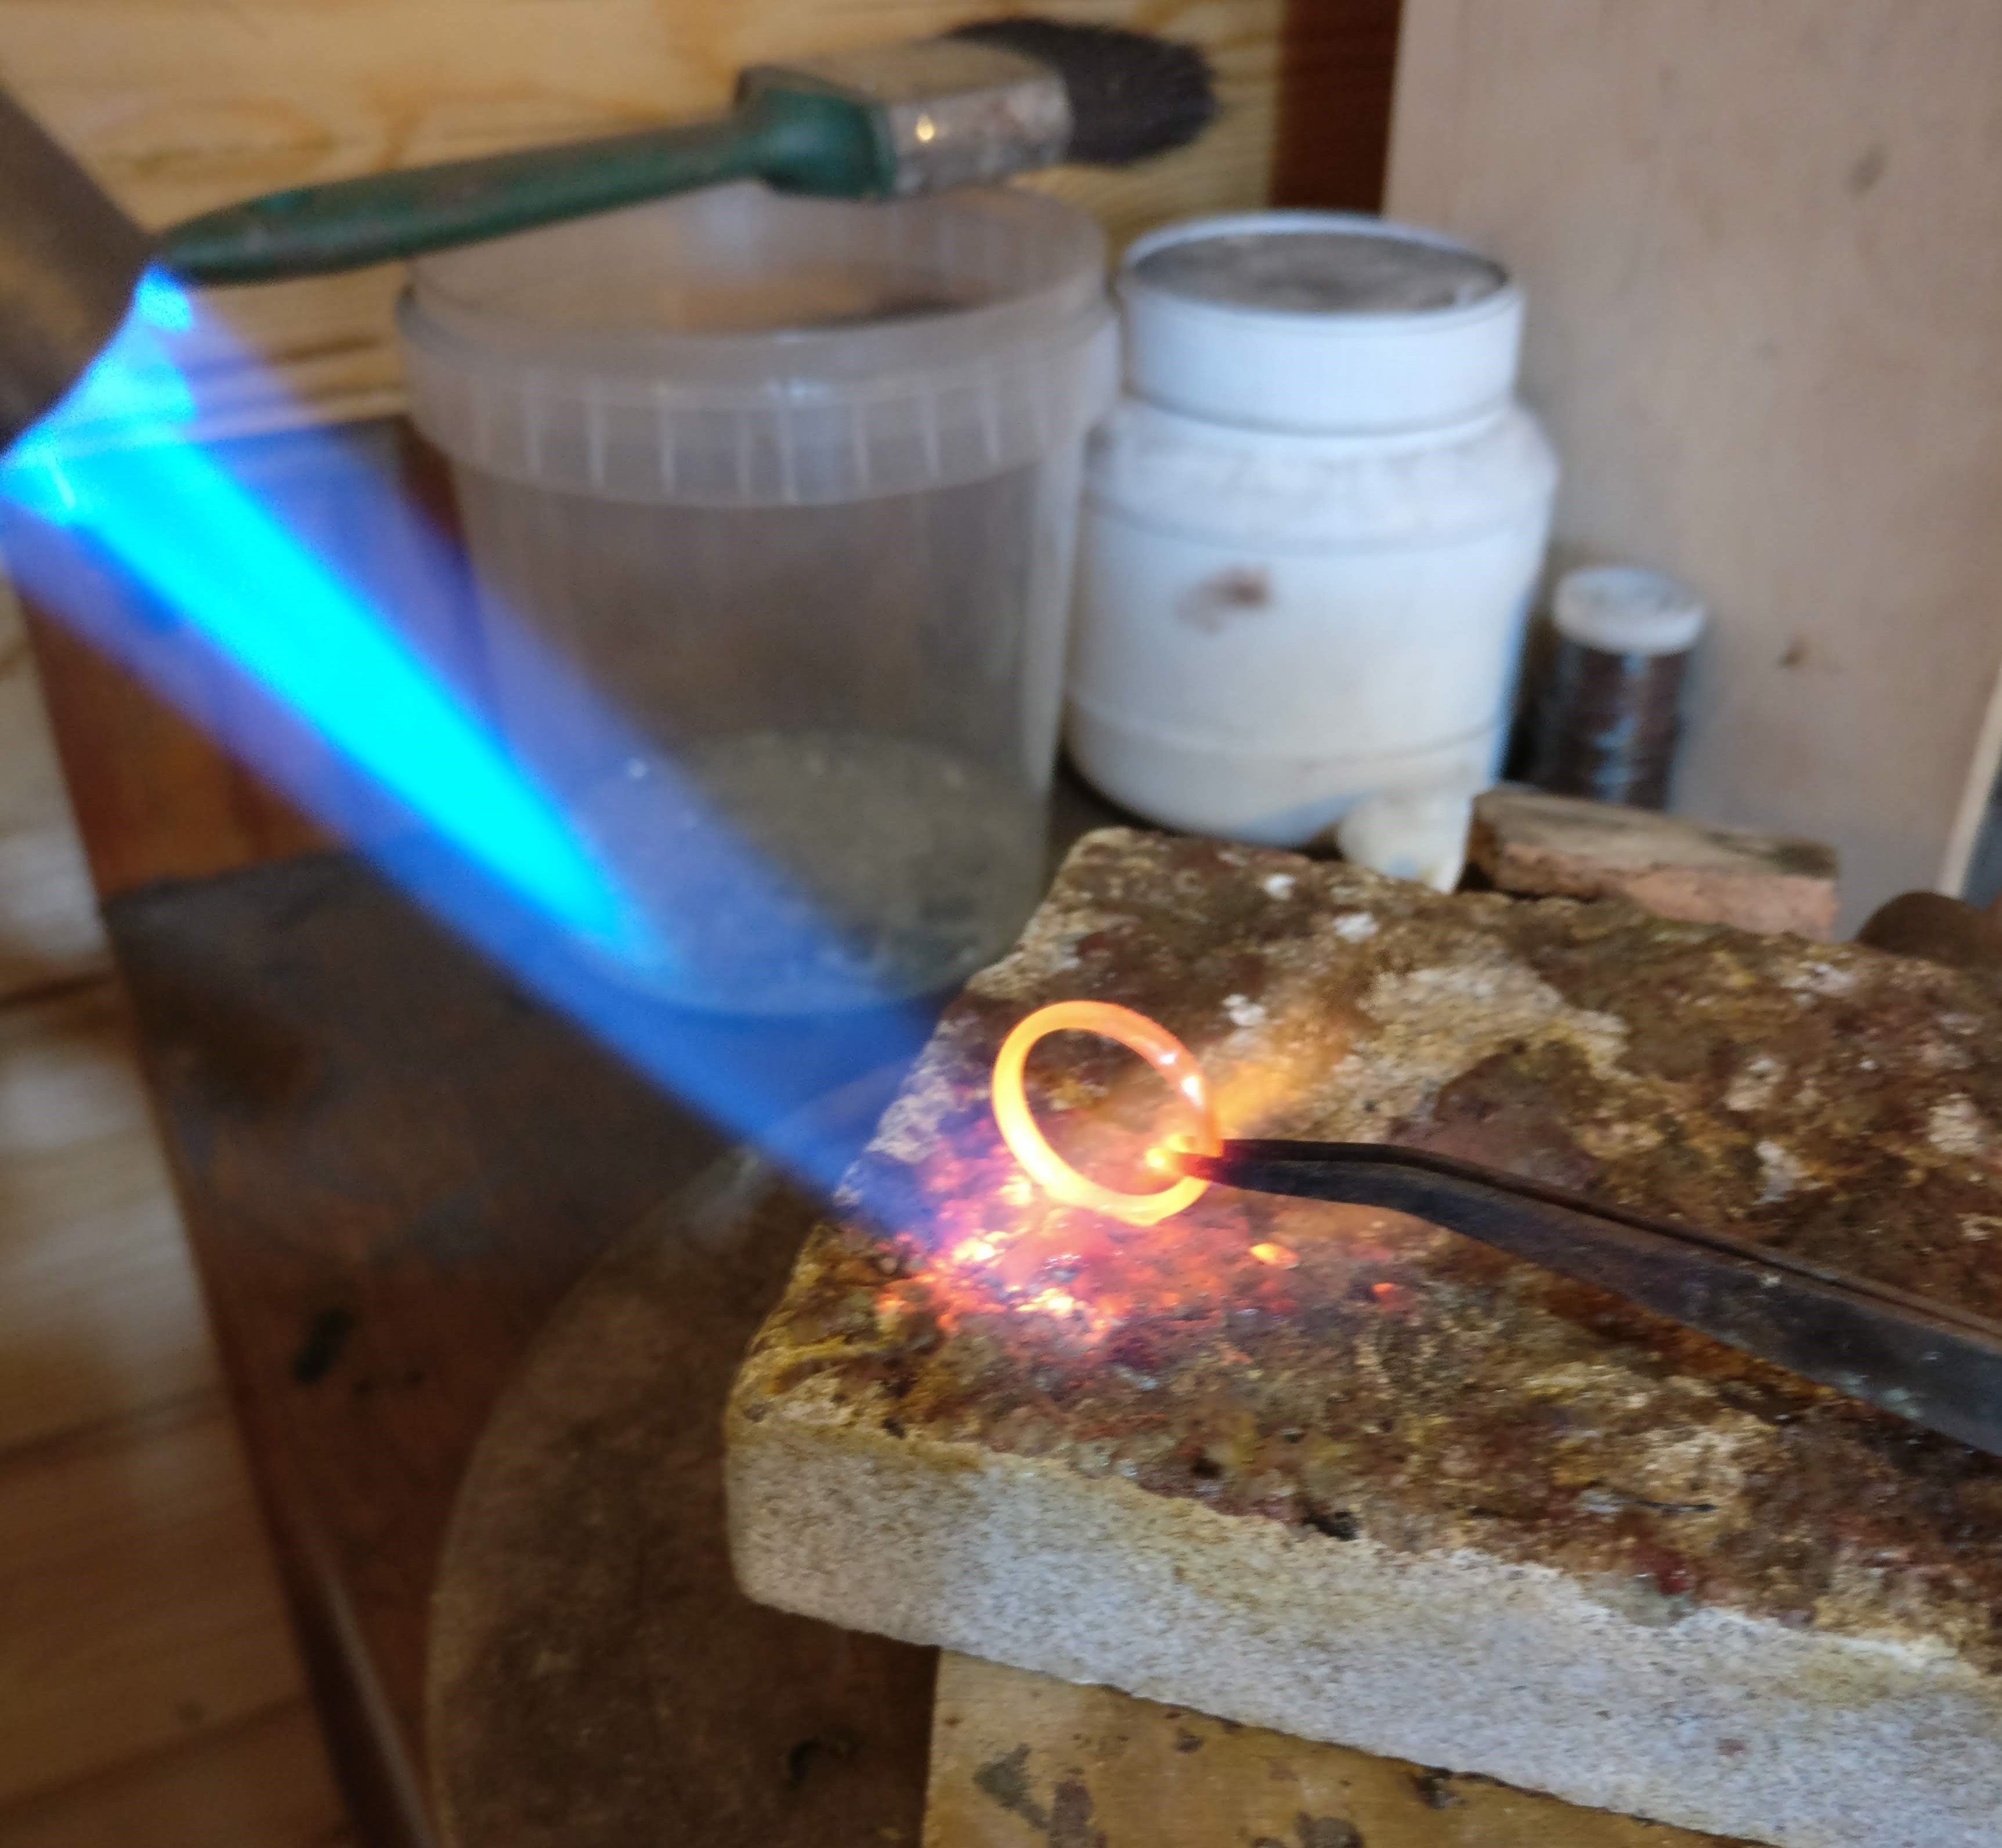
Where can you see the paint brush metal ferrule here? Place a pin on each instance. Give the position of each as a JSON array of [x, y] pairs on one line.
[[946, 111]]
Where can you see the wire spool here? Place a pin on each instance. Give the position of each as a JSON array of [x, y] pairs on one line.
[[1608, 723]]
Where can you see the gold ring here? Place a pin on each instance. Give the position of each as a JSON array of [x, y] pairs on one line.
[[1161, 1049]]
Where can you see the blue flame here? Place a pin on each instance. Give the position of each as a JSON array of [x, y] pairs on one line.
[[116, 463], [111, 461]]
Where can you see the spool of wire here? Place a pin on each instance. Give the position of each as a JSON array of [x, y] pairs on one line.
[[1607, 724]]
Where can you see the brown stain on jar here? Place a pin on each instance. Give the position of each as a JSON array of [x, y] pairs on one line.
[[1228, 596]]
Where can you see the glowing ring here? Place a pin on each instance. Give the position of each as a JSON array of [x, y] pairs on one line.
[[1159, 1048]]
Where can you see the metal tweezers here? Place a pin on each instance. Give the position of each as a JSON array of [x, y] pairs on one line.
[[1933, 1363]]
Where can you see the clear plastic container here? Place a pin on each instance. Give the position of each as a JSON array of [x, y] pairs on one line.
[[791, 486]]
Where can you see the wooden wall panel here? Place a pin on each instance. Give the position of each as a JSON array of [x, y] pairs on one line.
[[50, 934], [100, 1314], [149, 1688], [179, 105], [1759, 246], [143, 1644], [261, 1784], [138, 1608]]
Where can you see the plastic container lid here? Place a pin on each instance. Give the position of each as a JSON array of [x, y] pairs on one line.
[[740, 347], [1627, 609], [1326, 321]]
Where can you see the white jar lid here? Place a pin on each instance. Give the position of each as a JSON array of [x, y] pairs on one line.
[[1318, 267], [1328, 322], [1627, 609]]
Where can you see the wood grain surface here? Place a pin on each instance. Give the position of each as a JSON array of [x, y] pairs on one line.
[[1757, 242], [49, 935], [1021, 1761], [149, 1688], [178, 108], [134, 1623], [100, 1316], [261, 1783], [392, 1164]]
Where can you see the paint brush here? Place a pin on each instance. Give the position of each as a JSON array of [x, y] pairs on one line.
[[991, 99]]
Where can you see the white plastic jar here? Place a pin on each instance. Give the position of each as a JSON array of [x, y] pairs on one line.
[[1312, 529]]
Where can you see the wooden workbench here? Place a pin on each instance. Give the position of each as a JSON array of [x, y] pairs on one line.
[[1021, 1761], [392, 1166]]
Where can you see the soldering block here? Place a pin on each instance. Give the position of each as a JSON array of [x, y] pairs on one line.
[[1342, 1474]]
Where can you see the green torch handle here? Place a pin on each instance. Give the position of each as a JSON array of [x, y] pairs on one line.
[[803, 142]]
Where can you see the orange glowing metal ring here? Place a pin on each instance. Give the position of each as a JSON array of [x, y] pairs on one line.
[[1159, 1048]]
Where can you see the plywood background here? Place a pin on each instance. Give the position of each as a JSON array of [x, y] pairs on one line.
[[1760, 247], [149, 1687], [181, 105]]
